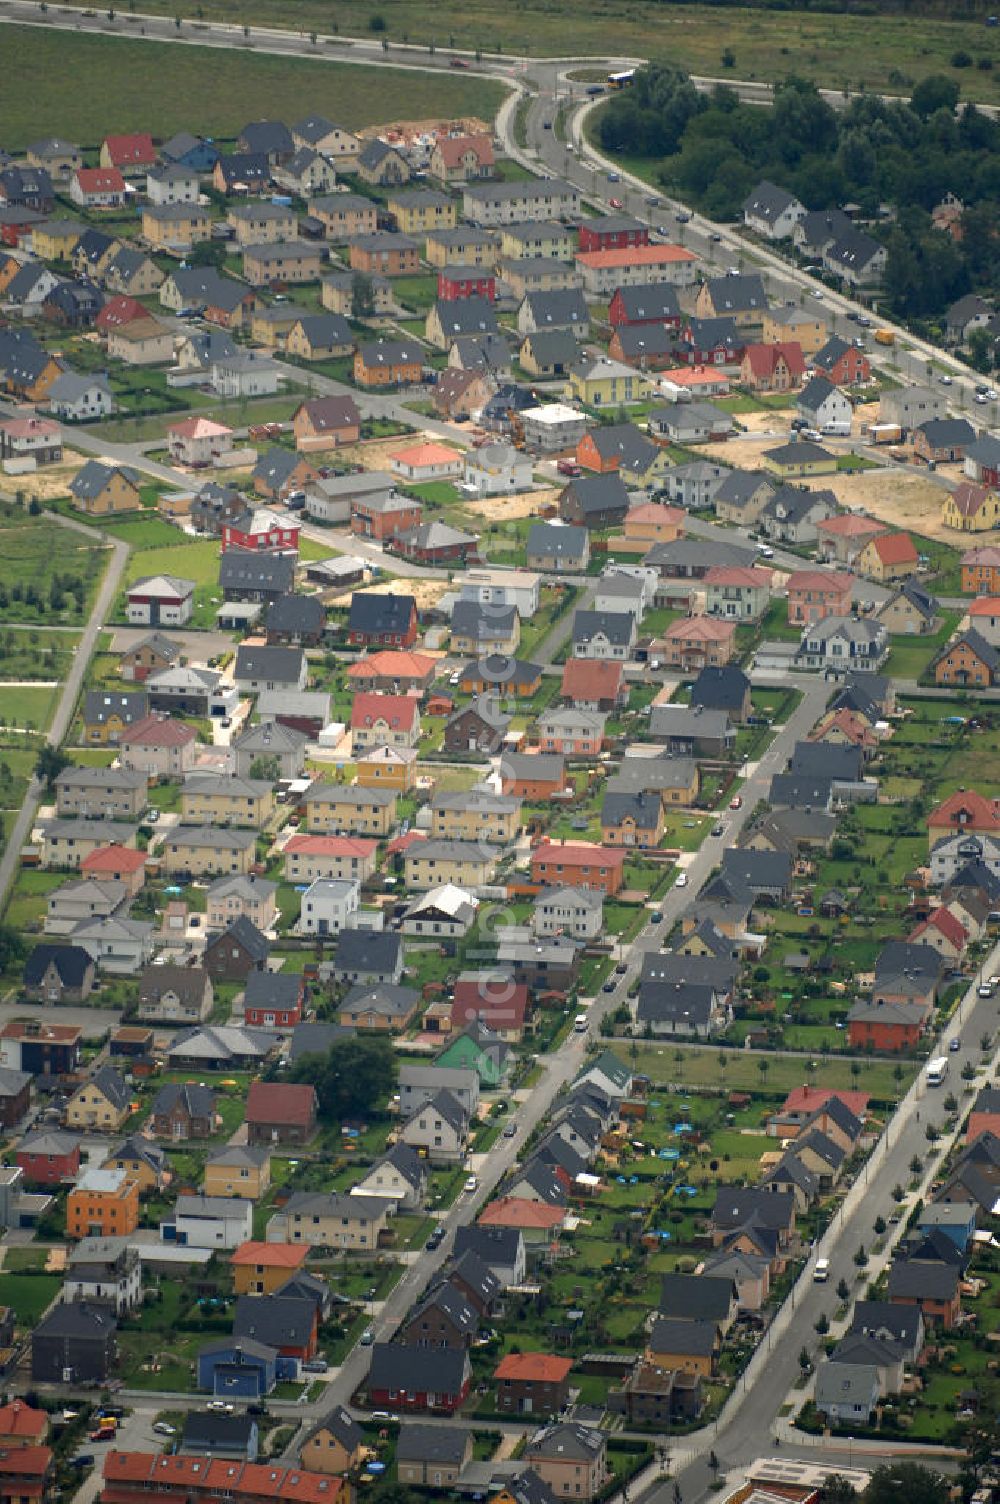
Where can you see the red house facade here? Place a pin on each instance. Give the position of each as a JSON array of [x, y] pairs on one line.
[[270, 1006], [577, 865], [49, 1159], [611, 234], [261, 532], [467, 282]]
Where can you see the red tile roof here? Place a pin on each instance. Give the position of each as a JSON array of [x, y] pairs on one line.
[[635, 255], [967, 809], [391, 664], [511, 1211], [584, 679], [158, 731], [113, 859], [969, 499], [130, 151], [275, 1255], [396, 710], [699, 629], [23, 1462], [100, 180], [195, 1477], [579, 854], [539, 1368], [118, 311], [331, 846], [746, 575], [281, 1103], [986, 557], [895, 548], [453, 149], [836, 581], [19, 1419], [944, 921], [763, 359], [496, 1001], [812, 1098], [985, 605]]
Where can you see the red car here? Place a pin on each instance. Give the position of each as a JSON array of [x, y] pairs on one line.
[[458, 62], [616, 203]]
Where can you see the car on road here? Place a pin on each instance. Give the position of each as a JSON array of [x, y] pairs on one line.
[[616, 203], [621, 969], [546, 125], [471, 1183], [164, 1428], [954, 1046], [614, 177], [104, 1433], [366, 1339], [608, 987], [458, 62], [736, 802], [681, 880], [864, 321], [764, 549], [655, 917], [220, 1407], [683, 216], [985, 989], [992, 394], [316, 1365], [814, 292], [855, 318], [716, 237], [981, 398], [718, 829], [510, 1131], [85, 1459], [945, 380]]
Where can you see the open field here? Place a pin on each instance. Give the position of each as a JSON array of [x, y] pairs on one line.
[[898, 499], [47, 574], [694, 1065], [837, 50], [135, 85]]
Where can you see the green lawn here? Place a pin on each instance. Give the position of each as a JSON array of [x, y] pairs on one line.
[[41, 582], [27, 707], [701, 1067], [134, 85], [35, 653], [28, 1295]]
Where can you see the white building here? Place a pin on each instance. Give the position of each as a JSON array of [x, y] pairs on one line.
[[553, 426], [501, 587], [209, 1222], [329, 906], [576, 912], [76, 398], [445, 911], [161, 600], [497, 470], [172, 184]]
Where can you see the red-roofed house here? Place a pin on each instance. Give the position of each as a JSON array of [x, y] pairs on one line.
[[981, 571], [653, 521], [589, 684], [532, 1383], [965, 810], [841, 538], [130, 1477], [462, 159], [119, 863], [889, 557], [119, 311], [160, 747], [697, 642], [803, 1101], [280, 1113], [604, 272], [942, 930], [132, 155], [392, 672], [309, 858], [262, 1268], [982, 1122], [814, 594], [21, 1425], [578, 864], [496, 1001], [846, 728], [97, 187], [773, 368], [26, 1473], [384, 721]]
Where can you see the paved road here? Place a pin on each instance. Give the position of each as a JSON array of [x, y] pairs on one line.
[[103, 602]]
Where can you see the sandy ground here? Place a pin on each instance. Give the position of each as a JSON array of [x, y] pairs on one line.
[[745, 450], [504, 508], [405, 129], [375, 454], [899, 500], [49, 482], [427, 593]]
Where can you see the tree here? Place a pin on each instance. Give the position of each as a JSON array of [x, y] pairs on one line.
[[822, 1324], [267, 768], [906, 1480], [878, 1226], [377, 23], [932, 94], [837, 1490], [362, 296], [49, 763], [843, 1288], [805, 1362], [12, 948], [355, 1078]]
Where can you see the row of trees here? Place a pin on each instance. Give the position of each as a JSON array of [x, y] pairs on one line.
[[874, 152]]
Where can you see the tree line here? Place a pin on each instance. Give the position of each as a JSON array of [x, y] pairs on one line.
[[904, 155]]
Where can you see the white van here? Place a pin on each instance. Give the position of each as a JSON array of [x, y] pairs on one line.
[[821, 1273], [580, 1023]]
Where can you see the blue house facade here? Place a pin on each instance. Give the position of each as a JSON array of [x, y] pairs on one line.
[[956, 1219], [239, 1369]]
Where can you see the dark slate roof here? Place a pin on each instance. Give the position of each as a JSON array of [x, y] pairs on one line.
[[946, 433], [720, 688], [758, 869], [695, 1297], [380, 613], [245, 934], [695, 1338], [204, 1431], [245, 569], [911, 1279], [277, 1320], [599, 493], [483, 621], [367, 951], [72, 963], [843, 764], [438, 1444], [617, 626], [654, 300], [295, 613], [316, 1038], [417, 1369], [199, 1101]]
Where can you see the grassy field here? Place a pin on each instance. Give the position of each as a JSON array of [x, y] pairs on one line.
[[837, 50], [36, 654], [700, 1066], [134, 85], [41, 582]]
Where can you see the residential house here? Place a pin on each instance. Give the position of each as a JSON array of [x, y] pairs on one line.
[[280, 1113]]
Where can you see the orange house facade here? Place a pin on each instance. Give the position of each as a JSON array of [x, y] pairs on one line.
[[578, 865], [963, 664], [103, 1204], [981, 571], [653, 522], [815, 594]]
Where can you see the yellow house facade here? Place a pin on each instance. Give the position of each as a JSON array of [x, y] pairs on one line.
[[204, 852], [333, 809], [605, 383], [175, 225], [497, 822], [392, 768], [798, 325], [473, 248], [431, 863], [421, 211], [95, 1108], [549, 240], [55, 241], [238, 1171], [137, 1170], [211, 800], [971, 509]]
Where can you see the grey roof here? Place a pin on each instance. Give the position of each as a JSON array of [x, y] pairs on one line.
[[920, 1279], [696, 1297], [815, 392], [649, 301], [758, 869], [652, 773], [368, 951], [854, 250], [743, 294], [197, 1101], [617, 626], [316, 1038], [245, 569], [438, 1444], [767, 201], [737, 1205], [486, 622], [441, 1370], [720, 688], [946, 433], [694, 1338], [567, 1440], [881, 1318], [800, 451], [496, 1246], [279, 663], [279, 1320], [853, 1385], [559, 308], [561, 541], [462, 316], [90, 480], [112, 1085], [77, 1319], [599, 493], [448, 1107], [384, 997], [71, 962], [206, 1432], [641, 806]]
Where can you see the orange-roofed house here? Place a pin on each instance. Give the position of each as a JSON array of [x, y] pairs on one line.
[[198, 441], [22, 1425], [532, 1383], [971, 508], [311, 858], [578, 864], [462, 159], [700, 380], [981, 571], [844, 728], [737, 592], [773, 368], [393, 673], [889, 557], [814, 594], [653, 521], [984, 618], [537, 1223], [384, 721], [840, 539], [967, 811], [604, 272], [181, 1479], [262, 1268], [697, 642], [26, 1474], [424, 462], [803, 1101], [984, 1119], [119, 863], [132, 155], [590, 684], [942, 930]]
